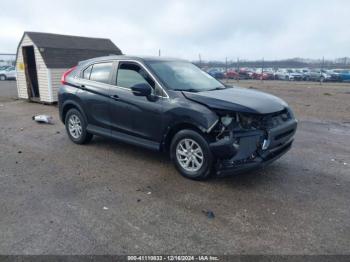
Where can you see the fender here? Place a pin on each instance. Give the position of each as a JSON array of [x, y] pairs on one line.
[[73, 103], [195, 114], [181, 115]]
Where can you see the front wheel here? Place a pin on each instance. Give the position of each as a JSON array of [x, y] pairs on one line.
[[191, 155], [2, 77]]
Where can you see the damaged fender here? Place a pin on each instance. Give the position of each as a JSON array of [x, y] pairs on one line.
[[194, 114]]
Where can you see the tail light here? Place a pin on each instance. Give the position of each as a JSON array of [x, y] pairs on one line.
[[66, 74]]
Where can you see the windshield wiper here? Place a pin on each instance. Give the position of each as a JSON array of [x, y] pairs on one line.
[[218, 88], [188, 90]]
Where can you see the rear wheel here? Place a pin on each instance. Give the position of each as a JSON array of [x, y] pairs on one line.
[[2, 77], [191, 155], [76, 127]]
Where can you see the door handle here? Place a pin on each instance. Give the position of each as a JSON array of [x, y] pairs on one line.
[[115, 97], [82, 87]]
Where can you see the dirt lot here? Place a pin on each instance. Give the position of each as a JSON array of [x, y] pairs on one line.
[[107, 197]]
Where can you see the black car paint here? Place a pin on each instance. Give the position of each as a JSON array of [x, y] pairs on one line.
[[147, 121], [239, 100]]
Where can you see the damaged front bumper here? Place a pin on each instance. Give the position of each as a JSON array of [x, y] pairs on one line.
[[246, 150]]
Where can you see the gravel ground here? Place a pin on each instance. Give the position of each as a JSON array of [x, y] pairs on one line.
[[111, 198], [8, 90]]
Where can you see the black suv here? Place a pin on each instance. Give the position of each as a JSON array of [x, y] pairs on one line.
[[172, 106]]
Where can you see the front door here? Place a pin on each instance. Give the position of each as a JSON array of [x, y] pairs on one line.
[[135, 115]]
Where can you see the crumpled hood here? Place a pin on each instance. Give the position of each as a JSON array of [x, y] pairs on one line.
[[238, 100]]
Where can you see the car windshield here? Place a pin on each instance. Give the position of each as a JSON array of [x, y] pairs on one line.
[[184, 76]]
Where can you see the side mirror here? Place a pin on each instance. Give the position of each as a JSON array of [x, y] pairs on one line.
[[141, 89]]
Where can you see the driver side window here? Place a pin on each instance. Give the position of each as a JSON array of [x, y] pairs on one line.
[[130, 74]]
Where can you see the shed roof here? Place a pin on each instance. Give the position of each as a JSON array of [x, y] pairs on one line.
[[63, 51]]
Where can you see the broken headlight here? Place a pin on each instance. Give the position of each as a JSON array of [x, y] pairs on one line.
[[247, 121], [244, 121], [226, 120]]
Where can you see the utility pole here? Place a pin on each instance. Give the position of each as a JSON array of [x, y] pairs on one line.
[[200, 60], [322, 67], [159, 52], [226, 68], [262, 70], [238, 69]]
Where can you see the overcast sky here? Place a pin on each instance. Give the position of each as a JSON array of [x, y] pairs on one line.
[[184, 28]]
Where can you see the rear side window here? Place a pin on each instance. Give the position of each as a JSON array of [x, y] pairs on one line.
[[86, 73], [100, 72]]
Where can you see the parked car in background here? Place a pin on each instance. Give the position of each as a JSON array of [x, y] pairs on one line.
[[8, 74], [288, 74], [320, 75], [333, 76], [250, 72], [305, 72], [174, 107], [232, 74], [295, 75], [2, 68], [262, 75], [344, 75], [244, 73], [216, 73]]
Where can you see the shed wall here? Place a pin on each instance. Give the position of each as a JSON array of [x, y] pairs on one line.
[[56, 75]]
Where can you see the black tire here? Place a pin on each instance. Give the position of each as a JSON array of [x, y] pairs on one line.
[[204, 171], [3, 77], [84, 137]]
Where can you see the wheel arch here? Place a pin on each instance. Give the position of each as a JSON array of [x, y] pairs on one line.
[[70, 104], [174, 129]]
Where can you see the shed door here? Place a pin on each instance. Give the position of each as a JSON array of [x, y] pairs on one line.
[[31, 72]]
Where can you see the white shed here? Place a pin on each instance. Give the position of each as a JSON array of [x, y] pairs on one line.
[[42, 58]]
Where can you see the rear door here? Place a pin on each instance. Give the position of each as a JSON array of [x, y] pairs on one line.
[[94, 93], [136, 115]]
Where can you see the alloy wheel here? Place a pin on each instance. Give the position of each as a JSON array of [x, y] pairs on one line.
[[189, 155], [74, 126]]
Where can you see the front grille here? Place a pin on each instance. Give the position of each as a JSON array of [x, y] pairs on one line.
[[264, 122], [276, 119]]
